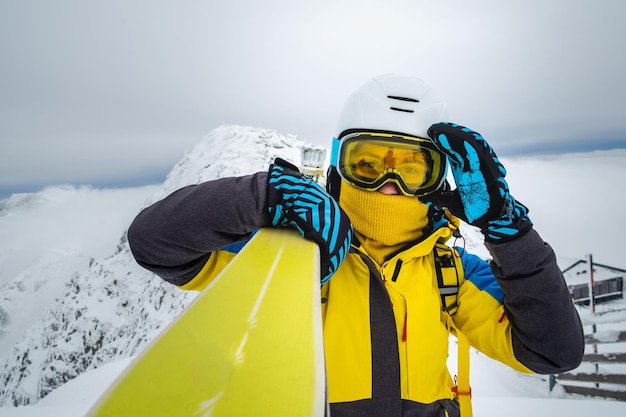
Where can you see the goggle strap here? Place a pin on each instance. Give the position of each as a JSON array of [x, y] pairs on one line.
[[334, 152]]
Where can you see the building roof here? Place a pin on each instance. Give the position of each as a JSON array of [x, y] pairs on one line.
[[578, 272]]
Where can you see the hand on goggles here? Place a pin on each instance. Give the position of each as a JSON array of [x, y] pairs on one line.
[[369, 160], [482, 196]]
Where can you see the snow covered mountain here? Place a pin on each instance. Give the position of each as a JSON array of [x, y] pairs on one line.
[[66, 307]]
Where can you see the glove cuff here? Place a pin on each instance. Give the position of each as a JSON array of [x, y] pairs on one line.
[[513, 223]]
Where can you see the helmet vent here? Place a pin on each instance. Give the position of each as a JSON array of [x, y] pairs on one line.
[[403, 99], [411, 100], [404, 110]]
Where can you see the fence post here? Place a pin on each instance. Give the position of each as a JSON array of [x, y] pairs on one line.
[[592, 295]]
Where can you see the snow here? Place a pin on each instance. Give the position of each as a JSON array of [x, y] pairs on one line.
[[75, 308], [74, 398], [64, 220]]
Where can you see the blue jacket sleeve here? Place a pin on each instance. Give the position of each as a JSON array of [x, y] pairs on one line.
[[479, 273]]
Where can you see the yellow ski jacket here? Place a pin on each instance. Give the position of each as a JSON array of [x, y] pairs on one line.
[[383, 332]]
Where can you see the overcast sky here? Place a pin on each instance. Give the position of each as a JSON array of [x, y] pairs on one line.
[[113, 93]]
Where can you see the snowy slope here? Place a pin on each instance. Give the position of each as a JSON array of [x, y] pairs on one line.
[[74, 306]]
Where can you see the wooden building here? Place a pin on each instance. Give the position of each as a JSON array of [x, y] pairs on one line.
[[608, 282]]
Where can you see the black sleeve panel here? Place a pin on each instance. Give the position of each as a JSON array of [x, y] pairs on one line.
[[546, 329], [174, 237]]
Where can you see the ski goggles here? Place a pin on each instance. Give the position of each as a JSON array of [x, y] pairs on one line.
[[369, 160]]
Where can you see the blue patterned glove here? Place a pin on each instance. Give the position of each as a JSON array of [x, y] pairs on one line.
[[296, 200], [482, 196]]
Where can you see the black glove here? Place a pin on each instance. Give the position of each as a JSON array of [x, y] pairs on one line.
[[296, 200], [482, 195]]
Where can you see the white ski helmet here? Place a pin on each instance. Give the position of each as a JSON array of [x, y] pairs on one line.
[[392, 103], [387, 103]]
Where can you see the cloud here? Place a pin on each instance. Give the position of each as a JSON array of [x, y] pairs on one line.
[[574, 201], [139, 82]]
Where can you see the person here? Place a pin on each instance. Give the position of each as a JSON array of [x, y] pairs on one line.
[[381, 232]]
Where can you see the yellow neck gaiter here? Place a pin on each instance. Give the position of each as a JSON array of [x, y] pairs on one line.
[[383, 223]]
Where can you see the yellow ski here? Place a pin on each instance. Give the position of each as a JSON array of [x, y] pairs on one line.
[[249, 345]]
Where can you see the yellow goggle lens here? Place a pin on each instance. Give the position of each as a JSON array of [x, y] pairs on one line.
[[370, 160]]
